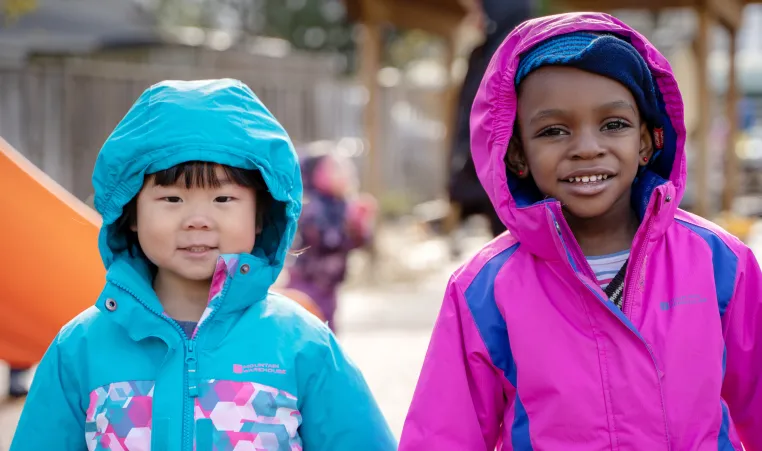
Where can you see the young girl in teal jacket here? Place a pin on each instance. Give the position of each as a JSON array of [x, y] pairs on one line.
[[185, 349]]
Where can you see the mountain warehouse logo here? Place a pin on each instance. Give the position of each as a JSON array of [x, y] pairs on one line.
[[258, 368], [689, 299]]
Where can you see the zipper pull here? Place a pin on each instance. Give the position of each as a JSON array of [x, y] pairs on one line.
[[192, 363]]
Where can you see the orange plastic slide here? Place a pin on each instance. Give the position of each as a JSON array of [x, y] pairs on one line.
[[50, 268]]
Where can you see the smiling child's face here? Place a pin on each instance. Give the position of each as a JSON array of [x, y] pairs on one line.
[[582, 140], [183, 230]]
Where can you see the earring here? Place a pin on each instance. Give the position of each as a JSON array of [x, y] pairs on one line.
[[645, 159], [521, 172]]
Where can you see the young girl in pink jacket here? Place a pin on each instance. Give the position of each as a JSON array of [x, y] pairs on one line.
[[606, 318]]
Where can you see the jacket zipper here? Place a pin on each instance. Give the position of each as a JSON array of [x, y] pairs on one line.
[[627, 306], [597, 295], [192, 381], [191, 390], [635, 270], [190, 377]]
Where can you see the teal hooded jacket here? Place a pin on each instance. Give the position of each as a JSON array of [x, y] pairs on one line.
[[258, 373]]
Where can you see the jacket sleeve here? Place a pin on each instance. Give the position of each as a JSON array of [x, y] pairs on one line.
[[459, 402], [339, 412], [52, 417], [742, 327]]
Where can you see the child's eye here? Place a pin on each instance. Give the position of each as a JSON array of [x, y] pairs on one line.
[[616, 125], [223, 199], [552, 131], [172, 199]]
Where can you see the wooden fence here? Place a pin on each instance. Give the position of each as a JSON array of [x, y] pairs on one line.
[[58, 111]]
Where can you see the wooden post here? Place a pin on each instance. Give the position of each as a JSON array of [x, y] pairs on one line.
[[731, 159], [450, 101], [700, 172], [449, 97], [370, 64]]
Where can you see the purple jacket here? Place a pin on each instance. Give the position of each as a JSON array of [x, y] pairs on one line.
[[527, 353]]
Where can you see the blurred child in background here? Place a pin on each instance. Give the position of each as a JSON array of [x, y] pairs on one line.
[[335, 220]]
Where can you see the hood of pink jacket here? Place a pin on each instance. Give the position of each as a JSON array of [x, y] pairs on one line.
[[494, 113]]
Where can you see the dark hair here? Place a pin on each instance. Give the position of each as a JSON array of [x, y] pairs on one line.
[[198, 174]]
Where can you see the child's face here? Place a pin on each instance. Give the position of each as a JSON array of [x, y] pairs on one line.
[[183, 230], [332, 176], [582, 139]]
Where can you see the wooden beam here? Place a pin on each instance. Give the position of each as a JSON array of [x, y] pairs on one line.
[[700, 171], [412, 15], [438, 17], [728, 12], [370, 64], [730, 184], [596, 5]]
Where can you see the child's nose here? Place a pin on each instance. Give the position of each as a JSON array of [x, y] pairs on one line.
[[587, 146], [197, 220]]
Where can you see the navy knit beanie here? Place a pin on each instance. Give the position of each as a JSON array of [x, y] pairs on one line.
[[601, 54]]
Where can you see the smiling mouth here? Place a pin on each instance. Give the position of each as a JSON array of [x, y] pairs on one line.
[[197, 249], [592, 178]]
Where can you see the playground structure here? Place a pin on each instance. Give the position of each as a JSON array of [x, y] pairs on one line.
[[51, 269]]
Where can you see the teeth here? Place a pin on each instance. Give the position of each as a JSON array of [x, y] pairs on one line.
[[588, 178], [198, 249]]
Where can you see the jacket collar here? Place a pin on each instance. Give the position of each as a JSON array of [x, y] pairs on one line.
[[130, 300], [543, 224]]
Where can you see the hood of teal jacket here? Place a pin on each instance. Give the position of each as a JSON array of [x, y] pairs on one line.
[[218, 121]]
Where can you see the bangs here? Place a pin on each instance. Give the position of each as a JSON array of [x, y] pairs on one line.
[[202, 174]]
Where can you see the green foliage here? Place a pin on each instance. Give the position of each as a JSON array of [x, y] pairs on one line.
[[309, 24], [12, 10], [314, 25]]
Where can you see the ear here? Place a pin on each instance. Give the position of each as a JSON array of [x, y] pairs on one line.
[[134, 228], [646, 145], [515, 160]]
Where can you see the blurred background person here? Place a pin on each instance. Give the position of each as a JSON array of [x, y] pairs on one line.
[[467, 197], [335, 219]]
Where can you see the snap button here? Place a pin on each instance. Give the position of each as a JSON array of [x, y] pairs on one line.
[[244, 269], [668, 199], [110, 305]]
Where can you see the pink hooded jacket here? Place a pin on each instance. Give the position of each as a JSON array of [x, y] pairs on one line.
[[528, 354]]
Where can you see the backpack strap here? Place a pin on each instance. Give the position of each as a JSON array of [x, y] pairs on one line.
[[615, 288]]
